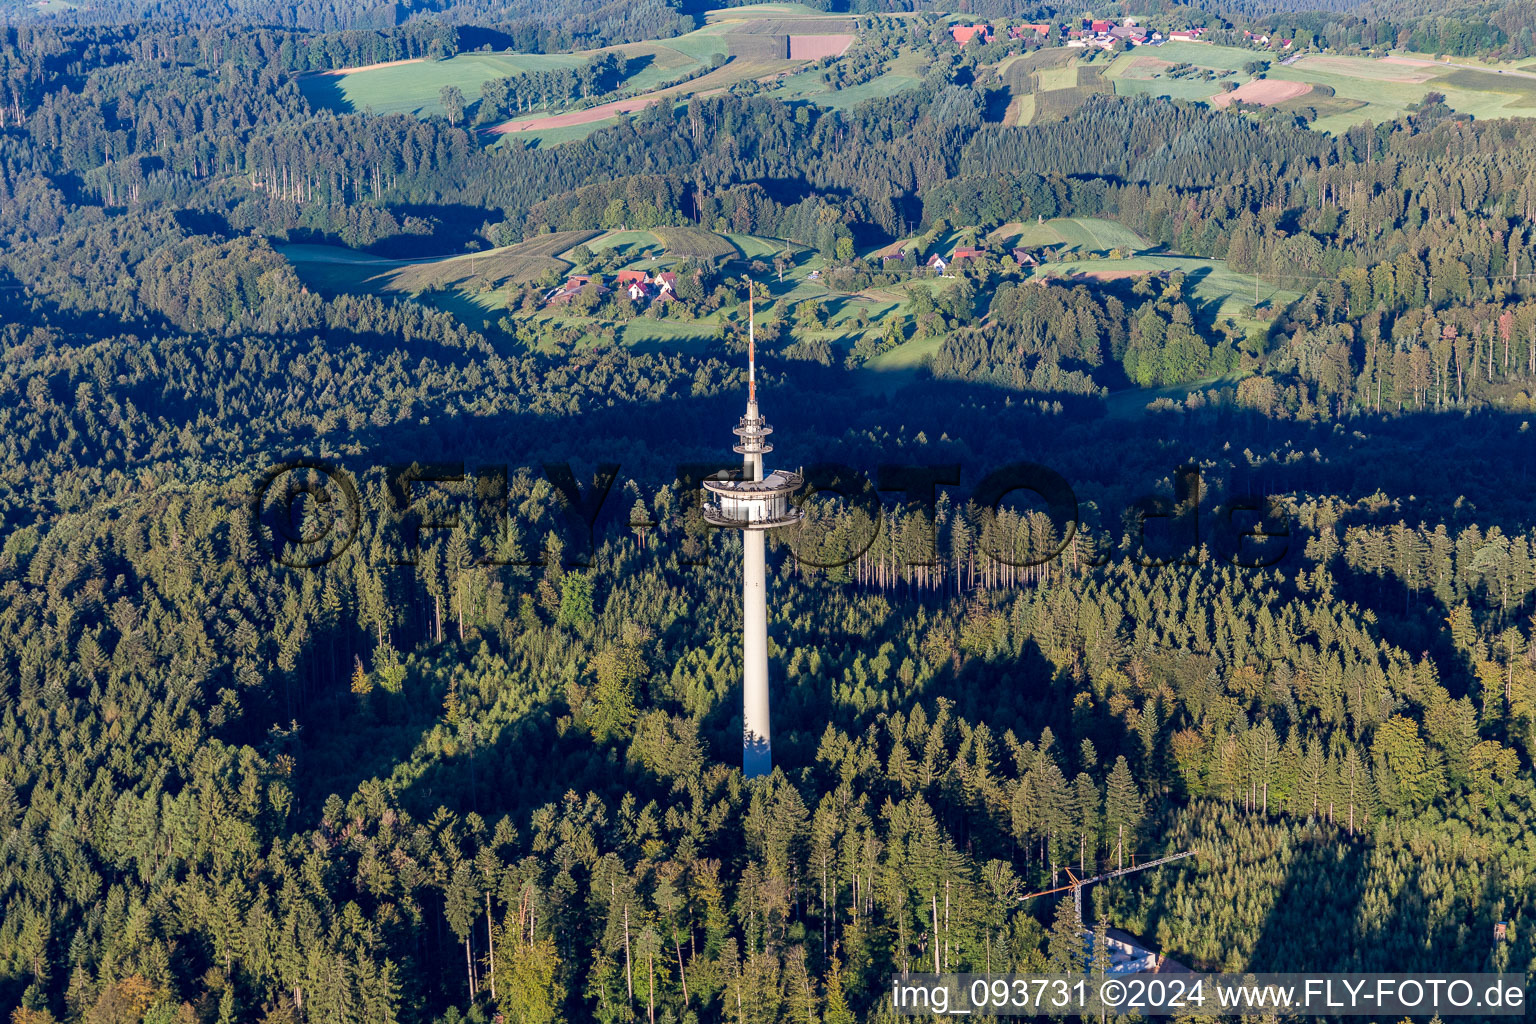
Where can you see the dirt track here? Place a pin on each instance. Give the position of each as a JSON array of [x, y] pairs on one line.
[[721, 78], [370, 67], [587, 116]]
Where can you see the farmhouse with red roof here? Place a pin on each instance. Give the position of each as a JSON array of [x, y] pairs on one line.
[[965, 33], [573, 287]]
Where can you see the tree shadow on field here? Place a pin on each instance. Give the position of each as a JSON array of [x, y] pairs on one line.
[[324, 92]]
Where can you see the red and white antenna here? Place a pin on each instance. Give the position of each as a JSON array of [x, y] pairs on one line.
[[751, 348]]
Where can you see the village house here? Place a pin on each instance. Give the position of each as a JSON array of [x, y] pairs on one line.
[[967, 253], [1020, 31], [1104, 34], [573, 286], [1025, 258], [965, 33], [938, 264], [638, 285]]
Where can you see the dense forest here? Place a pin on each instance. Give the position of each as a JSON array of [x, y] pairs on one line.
[[360, 663]]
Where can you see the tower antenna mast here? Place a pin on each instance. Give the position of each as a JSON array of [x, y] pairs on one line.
[[753, 504]]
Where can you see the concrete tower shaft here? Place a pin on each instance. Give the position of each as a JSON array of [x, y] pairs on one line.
[[756, 503], [756, 731]]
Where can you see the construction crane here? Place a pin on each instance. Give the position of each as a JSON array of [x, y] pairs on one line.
[[1077, 884]]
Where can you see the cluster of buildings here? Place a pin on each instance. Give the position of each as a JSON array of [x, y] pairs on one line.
[[938, 263], [1096, 32], [639, 285], [1264, 40]]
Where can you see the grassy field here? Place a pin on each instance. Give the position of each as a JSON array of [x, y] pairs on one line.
[[673, 335], [1136, 67], [1480, 61], [476, 287], [1016, 69], [1202, 55], [1097, 234], [1143, 72], [768, 10], [1173, 88], [659, 63], [755, 247], [1347, 89], [471, 276], [1056, 78], [1486, 94], [414, 88], [900, 75], [681, 242], [906, 356], [1087, 234], [702, 44], [1366, 68], [1050, 89], [556, 136], [554, 127], [1211, 282], [1336, 108], [628, 243]]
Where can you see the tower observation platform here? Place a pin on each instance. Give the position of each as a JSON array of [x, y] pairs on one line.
[[753, 504]]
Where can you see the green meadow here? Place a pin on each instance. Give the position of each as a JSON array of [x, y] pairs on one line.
[[645, 332], [1088, 234], [476, 287], [413, 88], [1348, 90], [555, 136], [1202, 55], [767, 10], [1210, 282], [900, 75]]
